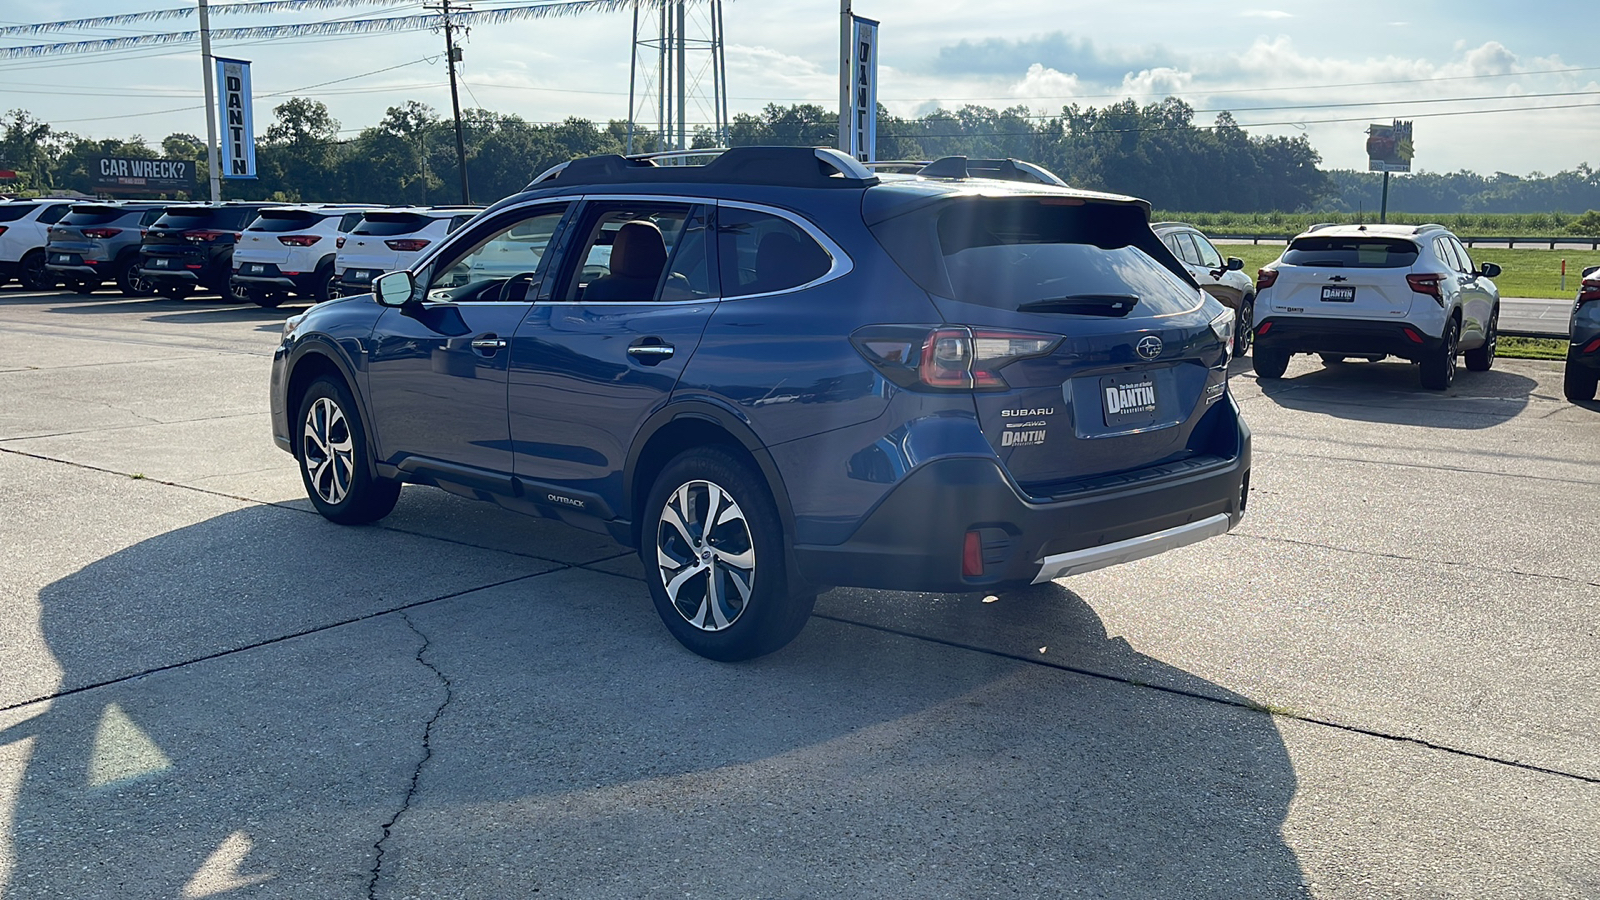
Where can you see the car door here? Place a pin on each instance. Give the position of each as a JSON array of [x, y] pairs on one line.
[[1479, 297], [1212, 272], [437, 366], [603, 349]]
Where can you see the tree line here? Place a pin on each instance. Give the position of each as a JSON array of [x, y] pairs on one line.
[[1155, 151]]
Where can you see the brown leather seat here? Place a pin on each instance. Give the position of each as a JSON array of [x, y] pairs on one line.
[[638, 254]]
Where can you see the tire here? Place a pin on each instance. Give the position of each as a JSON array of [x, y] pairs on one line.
[[1243, 326], [322, 285], [332, 448], [706, 595], [1579, 382], [130, 282], [1332, 359], [1270, 364], [238, 293], [175, 291], [1439, 367], [83, 286], [268, 299], [32, 274], [1481, 359]]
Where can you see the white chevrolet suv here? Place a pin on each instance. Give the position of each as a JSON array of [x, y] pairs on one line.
[[24, 227], [1371, 291], [386, 240], [291, 249]]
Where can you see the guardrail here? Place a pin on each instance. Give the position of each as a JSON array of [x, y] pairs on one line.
[[1593, 243]]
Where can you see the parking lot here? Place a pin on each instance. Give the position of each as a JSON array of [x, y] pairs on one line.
[[1383, 684]]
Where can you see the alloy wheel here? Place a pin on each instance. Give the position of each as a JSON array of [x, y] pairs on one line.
[[705, 555], [328, 451]]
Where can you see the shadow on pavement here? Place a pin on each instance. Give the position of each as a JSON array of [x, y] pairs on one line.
[[1388, 392], [578, 751]]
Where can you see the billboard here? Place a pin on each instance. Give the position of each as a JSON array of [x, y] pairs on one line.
[[862, 140], [238, 124], [1389, 147], [124, 175]]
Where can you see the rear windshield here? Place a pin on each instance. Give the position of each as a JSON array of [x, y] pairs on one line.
[[383, 224], [1012, 252], [285, 220], [93, 215], [11, 212], [226, 218], [1351, 252]]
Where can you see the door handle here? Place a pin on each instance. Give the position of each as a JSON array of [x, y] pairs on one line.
[[490, 344], [651, 350]]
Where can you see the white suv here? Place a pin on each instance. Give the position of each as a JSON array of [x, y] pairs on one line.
[[389, 239], [24, 228], [1371, 291], [291, 249]]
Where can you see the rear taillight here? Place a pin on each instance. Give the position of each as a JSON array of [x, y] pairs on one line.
[[947, 358], [2, 229], [299, 240], [101, 233], [338, 244], [1427, 284], [406, 244], [1265, 278], [1589, 290], [144, 233], [206, 235]]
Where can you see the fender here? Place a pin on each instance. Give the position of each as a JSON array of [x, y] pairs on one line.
[[322, 345]]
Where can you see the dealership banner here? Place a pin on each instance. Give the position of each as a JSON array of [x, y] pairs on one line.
[[238, 125], [1389, 147], [863, 138], [124, 175]]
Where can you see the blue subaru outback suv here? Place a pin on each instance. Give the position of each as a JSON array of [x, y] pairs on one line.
[[779, 372]]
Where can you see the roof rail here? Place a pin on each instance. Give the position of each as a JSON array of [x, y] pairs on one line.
[[1001, 169], [1320, 225], [1426, 226], [820, 167], [910, 165]]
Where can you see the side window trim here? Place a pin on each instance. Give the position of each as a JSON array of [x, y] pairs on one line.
[[841, 266]]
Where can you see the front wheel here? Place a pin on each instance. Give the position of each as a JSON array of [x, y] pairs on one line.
[[1244, 326], [332, 448], [1270, 364], [714, 548], [1481, 359], [1439, 367]]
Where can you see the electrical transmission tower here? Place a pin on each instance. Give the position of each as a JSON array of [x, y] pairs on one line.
[[679, 75]]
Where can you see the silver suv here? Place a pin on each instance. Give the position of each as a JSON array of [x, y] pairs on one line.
[[1222, 278], [1371, 291]]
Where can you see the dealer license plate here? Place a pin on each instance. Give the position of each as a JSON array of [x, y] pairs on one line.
[[255, 268], [160, 263], [61, 258], [1129, 401], [1338, 294]]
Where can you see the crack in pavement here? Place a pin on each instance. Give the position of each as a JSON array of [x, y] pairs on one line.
[[427, 754], [1451, 563]]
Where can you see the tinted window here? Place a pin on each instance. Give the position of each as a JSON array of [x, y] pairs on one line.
[[514, 253], [11, 212], [631, 253], [459, 221], [1186, 251], [1351, 252], [54, 213], [349, 221], [385, 224], [1209, 257], [150, 216], [1007, 252], [1466, 258], [92, 215], [759, 253], [228, 218], [274, 220]]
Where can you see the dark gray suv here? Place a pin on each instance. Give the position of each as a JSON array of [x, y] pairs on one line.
[[1583, 354], [99, 242]]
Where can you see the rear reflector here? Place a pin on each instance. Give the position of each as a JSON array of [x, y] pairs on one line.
[[1412, 336], [1265, 327], [1593, 346], [972, 556]]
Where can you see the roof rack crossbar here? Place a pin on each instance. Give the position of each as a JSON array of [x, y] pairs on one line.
[[1002, 169], [790, 166]]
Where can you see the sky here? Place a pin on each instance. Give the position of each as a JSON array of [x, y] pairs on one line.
[[1289, 66]]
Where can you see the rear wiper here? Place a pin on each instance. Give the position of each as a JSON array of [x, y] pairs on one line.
[[1084, 304]]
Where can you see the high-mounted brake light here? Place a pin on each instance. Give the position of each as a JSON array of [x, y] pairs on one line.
[[1265, 278], [407, 244], [1589, 291], [1427, 284], [299, 240], [954, 358], [101, 233]]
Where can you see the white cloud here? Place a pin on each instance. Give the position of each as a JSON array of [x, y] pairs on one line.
[[1266, 14], [1049, 85]]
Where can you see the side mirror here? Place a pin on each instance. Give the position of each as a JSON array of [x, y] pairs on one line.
[[1235, 264], [393, 289], [1489, 270]]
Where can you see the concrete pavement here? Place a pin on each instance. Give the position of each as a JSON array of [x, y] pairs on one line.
[[1380, 685]]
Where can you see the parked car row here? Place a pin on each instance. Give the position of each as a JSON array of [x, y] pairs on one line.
[[259, 252]]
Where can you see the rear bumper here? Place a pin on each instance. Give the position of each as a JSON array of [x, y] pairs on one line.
[[914, 539], [76, 271], [278, 283], [166, 276], [1345, 337], [347, 286]]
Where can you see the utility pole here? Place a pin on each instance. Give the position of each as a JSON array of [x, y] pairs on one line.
[[213, 159], [453, 55]]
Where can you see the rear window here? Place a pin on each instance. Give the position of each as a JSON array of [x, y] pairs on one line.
[[285, 220], [93, 215], [1351, 253], [385, 224], [11, 212], [1010, 253], [225, 219]]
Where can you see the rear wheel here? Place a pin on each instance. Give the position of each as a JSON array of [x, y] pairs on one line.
[[130, 282], [1270, 363], [1439, 367], [83, 286], [322, 285], [1580, 382], [1481, 359], [332, 448], [1243, 330], [175, 291], [714, 548], [268, 299], [33, 275]]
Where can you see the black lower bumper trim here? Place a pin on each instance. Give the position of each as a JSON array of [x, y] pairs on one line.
[[1344, 338]]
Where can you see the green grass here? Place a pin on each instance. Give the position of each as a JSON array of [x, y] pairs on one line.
[[1473, 225], [1532, 348], [1525, 273]]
